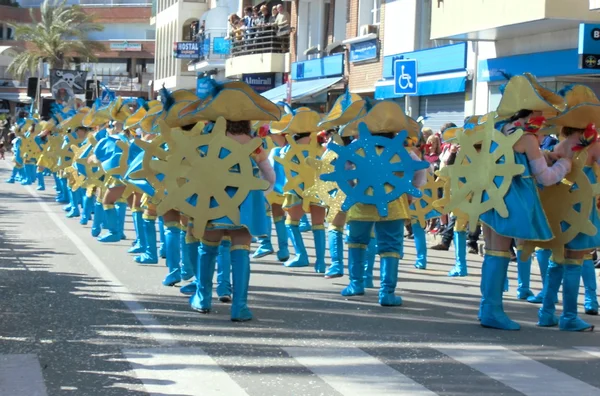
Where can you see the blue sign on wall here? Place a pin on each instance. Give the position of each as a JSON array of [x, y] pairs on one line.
[[446, 59], [186, 50], [221, 46], [405, 77], [364, 51], [589, 46], [328, 66], [260, 82]]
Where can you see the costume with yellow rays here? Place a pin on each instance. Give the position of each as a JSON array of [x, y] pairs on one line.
[[300, 127], [376, 172], [18, 171], [492, 181], [213, 178], [573, 213]]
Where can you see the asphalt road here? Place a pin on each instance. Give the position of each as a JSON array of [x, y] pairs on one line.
[[81, 318]]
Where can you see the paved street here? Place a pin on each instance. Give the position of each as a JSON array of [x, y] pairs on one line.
[[81, 318]]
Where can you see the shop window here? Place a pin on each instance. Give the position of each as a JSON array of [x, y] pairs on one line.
[[368, 12]]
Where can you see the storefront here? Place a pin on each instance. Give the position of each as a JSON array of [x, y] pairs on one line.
[[311, 83], [554, 69], [441, 84]]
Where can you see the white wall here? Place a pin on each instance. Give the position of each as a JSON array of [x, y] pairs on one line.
[[310, 30], [339, 20], [123, 31], [551, 41], [399, 26]]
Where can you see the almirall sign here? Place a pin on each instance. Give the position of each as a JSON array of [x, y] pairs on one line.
[[260, 82]]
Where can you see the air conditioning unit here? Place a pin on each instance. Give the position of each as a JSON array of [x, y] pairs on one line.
[[368, 29]]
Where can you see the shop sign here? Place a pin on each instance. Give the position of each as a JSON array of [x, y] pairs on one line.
[[589, 46], [364, 51], [260, 82], [186, 50], [126, 46]]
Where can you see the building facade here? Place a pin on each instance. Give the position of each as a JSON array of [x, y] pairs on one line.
[[126, 65], [543, 41]]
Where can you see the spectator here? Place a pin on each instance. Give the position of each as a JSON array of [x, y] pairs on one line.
[[433, 149], [273, 15], [248, 11], [234, 20], [283, 17], [264, 15]]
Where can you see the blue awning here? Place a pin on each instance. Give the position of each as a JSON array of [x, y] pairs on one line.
[[300, 89], [426, 86]]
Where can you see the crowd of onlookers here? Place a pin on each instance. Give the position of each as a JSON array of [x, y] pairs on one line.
[[258, 19]]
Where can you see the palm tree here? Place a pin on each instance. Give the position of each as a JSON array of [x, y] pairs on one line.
[[58, 36]]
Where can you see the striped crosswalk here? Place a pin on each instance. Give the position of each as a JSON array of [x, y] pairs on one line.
[[335, 371]]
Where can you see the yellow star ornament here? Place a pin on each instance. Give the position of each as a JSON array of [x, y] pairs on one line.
[[326, 191], [421, 207], [482, 172], [207, 177], [300, 176], [567, 207]]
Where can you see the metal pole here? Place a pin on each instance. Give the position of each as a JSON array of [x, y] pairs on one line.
[[475, 77], [38, 93], [407, 105]]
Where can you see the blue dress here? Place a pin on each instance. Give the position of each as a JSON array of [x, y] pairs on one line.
[[109, 154], [279, 170], [582, 241], [67, 142], [136, 156], [526, 218], [81, 169]]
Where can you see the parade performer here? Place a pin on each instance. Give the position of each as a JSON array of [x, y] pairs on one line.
[[225, 198], [273, 144], [300, 127], [505, 195], [580, 142], [376, 193], [18, 169]]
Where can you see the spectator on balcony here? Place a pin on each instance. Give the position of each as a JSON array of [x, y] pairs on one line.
[[283, 18], [248, 16], [273, 17], [234, 21], [264, 16]]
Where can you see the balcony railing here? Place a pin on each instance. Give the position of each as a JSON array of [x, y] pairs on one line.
[[93, 3], [260, 40]]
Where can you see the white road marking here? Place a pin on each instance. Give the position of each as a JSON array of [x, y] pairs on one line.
[[21, 375], [152, 326], [181, 371], [594, 351], [353, 372], [519, 372]]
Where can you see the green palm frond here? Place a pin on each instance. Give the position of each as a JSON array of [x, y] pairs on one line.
[[59, 34]]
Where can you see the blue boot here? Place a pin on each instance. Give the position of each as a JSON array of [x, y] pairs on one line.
[[192, 246], [121, 215], [460, 253], [304, 224], [201, 301], [523, 276], [64, 189], [588, 274], [542, 256], [98, 219], [335, 238], [569, 321], [301, 258], [320, 246], [69, 207], [56, 182], [150, 254], [88, 207], [162, 252], [547, 313], [173, 241], [240, 272], [389, 280], [224, 271], [493, 273], [29, 177], [31, 173], [138, 224], [111, 223], [420, 245], [265, 247], [13, 175], [370, 262], [187, 265], [41, 182], [283, 254], [74, 210], [356, 270]]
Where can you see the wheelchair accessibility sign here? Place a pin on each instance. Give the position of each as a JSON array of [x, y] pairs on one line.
[[405, 77]]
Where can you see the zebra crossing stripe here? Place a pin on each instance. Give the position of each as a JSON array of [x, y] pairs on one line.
[[594, 351], [519, 372], [353, 372], [21, 375], [171, 371]]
